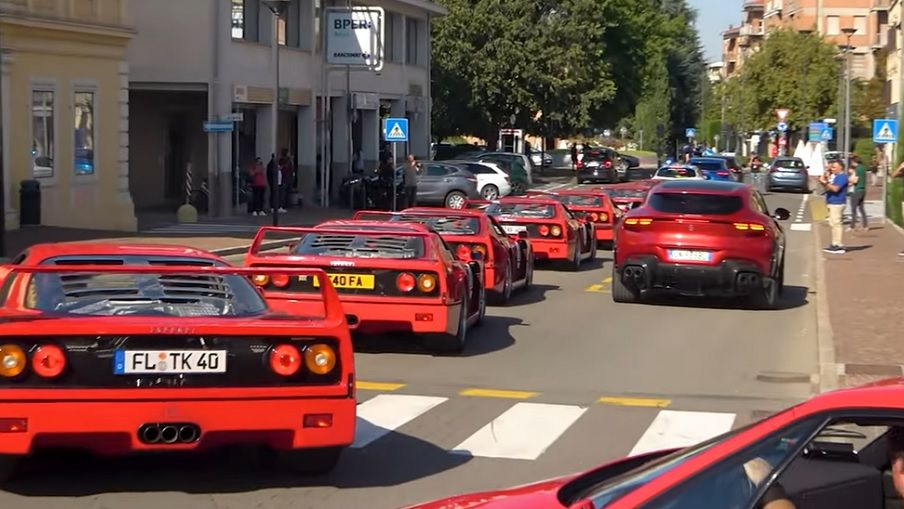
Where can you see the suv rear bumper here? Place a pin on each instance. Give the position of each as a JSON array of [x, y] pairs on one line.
[[729, 278]]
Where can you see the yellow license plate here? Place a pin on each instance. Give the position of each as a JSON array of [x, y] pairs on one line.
[[350, 281]]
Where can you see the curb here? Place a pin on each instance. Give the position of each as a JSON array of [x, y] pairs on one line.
[[237, 250], [825, 338]]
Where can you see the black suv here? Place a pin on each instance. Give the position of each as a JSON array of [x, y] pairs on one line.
[[598, 165]]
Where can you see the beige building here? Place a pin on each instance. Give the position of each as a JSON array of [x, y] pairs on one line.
[[65, 110], [738, 42], [895, 55]]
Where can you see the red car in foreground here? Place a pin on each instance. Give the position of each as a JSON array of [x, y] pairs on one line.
[[391, 278], [593, 205], [168, 353], [830, 452], [701, 238], [554, 231], [473, 235]]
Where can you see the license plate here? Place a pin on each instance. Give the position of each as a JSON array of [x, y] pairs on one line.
[[593, 164], [513, 229], [683, 255], [129, 362], [350, 281]]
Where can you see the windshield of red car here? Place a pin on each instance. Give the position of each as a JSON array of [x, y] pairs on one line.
[[525, 210], [146, 294], [448, 225], [625, 193], [359, 244], [691, 203]]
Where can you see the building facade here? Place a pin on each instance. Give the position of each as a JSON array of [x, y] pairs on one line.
[[206, 59], [65, 110], [739, 42]]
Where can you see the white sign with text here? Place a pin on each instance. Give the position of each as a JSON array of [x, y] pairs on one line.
[[355, 37]]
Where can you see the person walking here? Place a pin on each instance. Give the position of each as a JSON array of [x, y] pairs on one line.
[[286, 169], [258, 186], [574, 156], [857, 185], [274, 181], [835, 182], [412, 170]]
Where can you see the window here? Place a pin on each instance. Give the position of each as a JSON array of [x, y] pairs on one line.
[[411, 43], [860, 25], [83, 115], [238, 19], [691, 203], [435, 170], [281, 28], [389, 38], [42, 147], [833, 25]]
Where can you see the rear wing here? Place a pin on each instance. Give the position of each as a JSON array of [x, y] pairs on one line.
[[374, 215], [299, 232], [477, 204], [332, 308]]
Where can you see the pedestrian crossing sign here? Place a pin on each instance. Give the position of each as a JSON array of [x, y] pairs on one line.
[[395, 129], [885, 130]]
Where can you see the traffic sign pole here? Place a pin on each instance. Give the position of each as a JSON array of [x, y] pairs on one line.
[[395, 188]]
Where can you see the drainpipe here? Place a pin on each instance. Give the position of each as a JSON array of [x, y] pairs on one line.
[[213, 139]]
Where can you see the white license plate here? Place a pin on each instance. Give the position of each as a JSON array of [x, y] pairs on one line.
[[128, 362], [513, 229], [683, 255], [593, 164]]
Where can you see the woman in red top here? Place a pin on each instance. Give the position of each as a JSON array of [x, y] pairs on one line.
[[258, 186]]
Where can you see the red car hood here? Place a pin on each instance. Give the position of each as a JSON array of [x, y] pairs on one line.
[[542, 495]]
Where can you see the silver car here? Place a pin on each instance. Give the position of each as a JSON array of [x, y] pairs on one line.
[[788, 173], [443, 184]]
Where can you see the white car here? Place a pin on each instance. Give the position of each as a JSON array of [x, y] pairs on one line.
[[682, 172], [492, 181]]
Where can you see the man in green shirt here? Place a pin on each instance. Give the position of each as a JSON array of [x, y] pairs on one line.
[[857, 179]]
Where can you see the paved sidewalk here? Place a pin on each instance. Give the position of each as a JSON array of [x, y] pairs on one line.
[[864, 289]]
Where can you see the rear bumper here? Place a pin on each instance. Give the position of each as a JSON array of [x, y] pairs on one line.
[[729, 278], [802, 182], [381, 317], [610, 175], [550, 249], [111, 426], [604, 232]]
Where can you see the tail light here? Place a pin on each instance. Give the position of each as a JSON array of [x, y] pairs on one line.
[[280, 280], [426, 283], [319, 359], [13, 425], [749, 227], [463, 252], [607, 164], [471, 179], [48, 361], [260, 279], [12, 361], [595, 217], [722, 173], [544, 230], [636, 221], [579, 164], [405, 282], [285, 360], [556, 230]]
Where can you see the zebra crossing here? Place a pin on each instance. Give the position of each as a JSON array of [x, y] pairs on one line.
[[521, 430]]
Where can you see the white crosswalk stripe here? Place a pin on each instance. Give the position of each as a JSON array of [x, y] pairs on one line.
[[526, 430], [202, 228]]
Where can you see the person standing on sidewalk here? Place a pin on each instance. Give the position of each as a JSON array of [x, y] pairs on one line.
[[857, 183], [835, 183], [258, 187], [412, 170], [882, 166], [274, 180]]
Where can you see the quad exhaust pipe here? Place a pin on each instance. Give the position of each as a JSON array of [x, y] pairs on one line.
[[169, 433], [633, 272], [748, 280]]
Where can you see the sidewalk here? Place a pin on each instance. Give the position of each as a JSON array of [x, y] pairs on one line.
[[225, 235], [864, 291]]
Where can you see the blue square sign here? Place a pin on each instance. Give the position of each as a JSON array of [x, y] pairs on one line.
[[395, 129], [690, 132], [885, 130]]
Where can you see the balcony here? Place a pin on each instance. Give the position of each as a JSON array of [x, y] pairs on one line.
[[880, 39], [752, 31]]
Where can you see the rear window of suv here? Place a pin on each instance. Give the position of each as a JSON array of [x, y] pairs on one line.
[[690, 203]]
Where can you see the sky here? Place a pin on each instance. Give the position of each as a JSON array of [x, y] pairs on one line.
[[714, 16]]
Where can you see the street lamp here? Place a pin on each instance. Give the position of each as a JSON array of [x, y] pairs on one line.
[[2, 182], [277, 7], [848, 32]]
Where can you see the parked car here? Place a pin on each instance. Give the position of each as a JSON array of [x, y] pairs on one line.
[[509, 157], [492, 181], [446, 184], [788, 173], [446, 151], [540, 159]]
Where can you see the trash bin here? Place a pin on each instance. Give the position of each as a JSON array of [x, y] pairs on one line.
[[30, 203]]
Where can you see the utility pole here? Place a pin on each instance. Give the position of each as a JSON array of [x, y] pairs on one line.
[[847, 97], [2, 168]]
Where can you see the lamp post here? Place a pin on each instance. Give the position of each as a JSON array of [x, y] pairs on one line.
[[848, 32], [2, 169], [277, 7]]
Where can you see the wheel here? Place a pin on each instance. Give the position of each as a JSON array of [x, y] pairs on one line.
[[518, 188], [575, 264], [529, 271], [506, 294], [482, 305], [580, 182], [9, 466], [620, 291], [452, 343], [489, 192], [456, 200], [317, 461], [593, 248], [767, 297]]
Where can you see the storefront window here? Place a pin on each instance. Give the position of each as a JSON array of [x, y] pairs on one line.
[[42, 147], [83, 114], [238, 19]]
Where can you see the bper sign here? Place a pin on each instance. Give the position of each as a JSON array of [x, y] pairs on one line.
[[355, 38]]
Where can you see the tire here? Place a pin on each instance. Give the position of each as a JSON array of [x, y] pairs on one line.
[[620, 292], [309, 462], [9, 467], [489, 192], [518, 188], [481, 306], [575, 264], [455, 200], [580, 182], [505, 296], [445, 344], [593, 248], [529, 272], [766, 298]]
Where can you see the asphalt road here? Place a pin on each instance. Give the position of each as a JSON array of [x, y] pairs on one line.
[[561, 380]]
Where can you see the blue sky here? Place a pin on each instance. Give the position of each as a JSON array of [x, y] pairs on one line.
[[714, 16]]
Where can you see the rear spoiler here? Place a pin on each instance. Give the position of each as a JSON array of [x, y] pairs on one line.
[[301, 231], [332, 308], [368, 215], [477, 204]]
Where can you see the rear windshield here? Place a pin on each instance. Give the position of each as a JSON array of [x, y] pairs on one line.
[[148, 294], [521, 210], [708, 165], [577, 200], [676, 172], [595, 156], [448, 225], [689, 203], [625, 193], [789, 163], [361, 245]]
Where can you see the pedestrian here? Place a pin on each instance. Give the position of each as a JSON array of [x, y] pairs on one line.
[[835, 182], [412, 170], [574, 156], [882, 166], [258, 186], [274, 181], [286, 170], [527, 148], [857, 185]]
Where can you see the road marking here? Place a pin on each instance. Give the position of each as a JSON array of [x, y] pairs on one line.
[[641, 402], [801, 227], [671, 429], [523, 432], [494, 393], [383, 414], [600, 287], [377, 386]]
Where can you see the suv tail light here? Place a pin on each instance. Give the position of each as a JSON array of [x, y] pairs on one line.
[[607, 164], [749, 227], [634, 222], [722, 173], [579, 164]]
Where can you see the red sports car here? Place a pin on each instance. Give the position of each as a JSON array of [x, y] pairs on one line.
[[152, 349], [628, 195], [701, 238], [473, 235], [554, 231], [593, 205], [840, 449], [391, 278]]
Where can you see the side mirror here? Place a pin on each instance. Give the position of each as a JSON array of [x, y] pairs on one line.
[[781, 214], [522, 235]]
